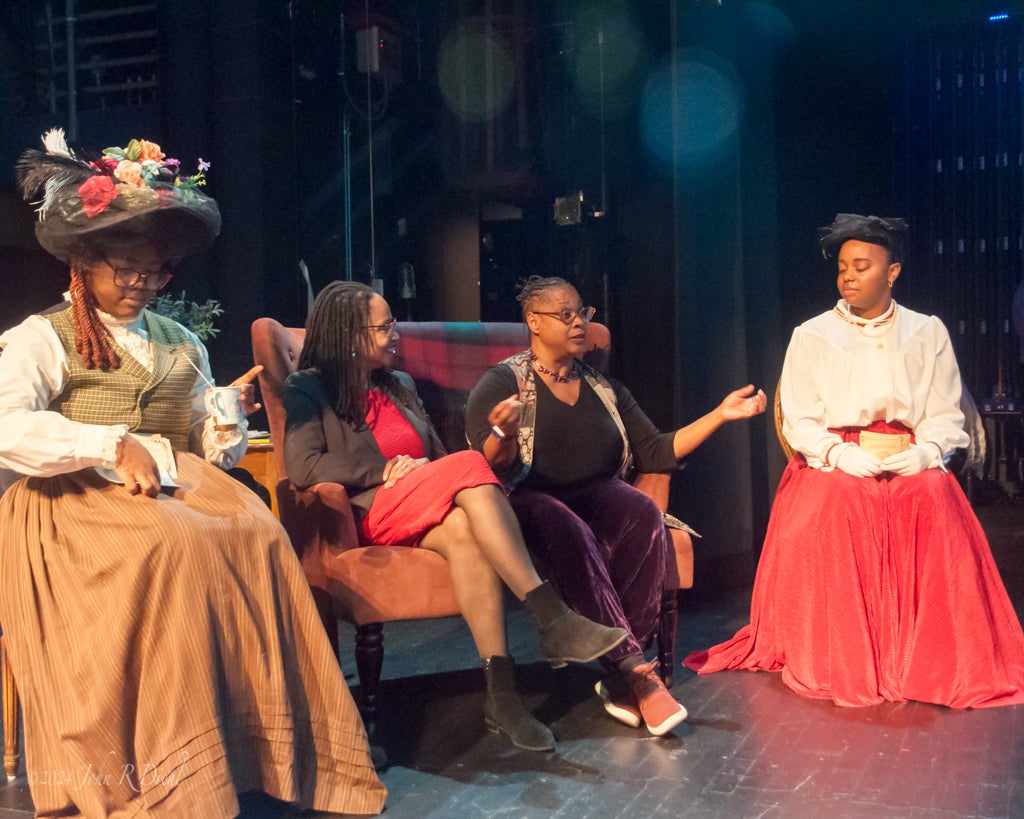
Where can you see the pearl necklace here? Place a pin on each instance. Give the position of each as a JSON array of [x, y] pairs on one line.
[[885, 323], [560, 379]]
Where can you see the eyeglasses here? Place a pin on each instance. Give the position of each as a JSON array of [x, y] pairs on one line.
[[130, 277], [568, 316], [386, 327]]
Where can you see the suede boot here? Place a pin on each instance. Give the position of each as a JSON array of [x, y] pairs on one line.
[[565, 636], [505, 713]]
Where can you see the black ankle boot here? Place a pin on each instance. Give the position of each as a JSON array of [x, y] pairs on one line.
[[565, 636], [505, 713]]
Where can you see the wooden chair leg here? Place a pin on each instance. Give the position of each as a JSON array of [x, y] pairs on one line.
[[10, 717], [667, 621], [369, 662]]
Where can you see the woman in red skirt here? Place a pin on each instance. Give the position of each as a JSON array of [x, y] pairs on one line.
[[353, 420], [876, 581]]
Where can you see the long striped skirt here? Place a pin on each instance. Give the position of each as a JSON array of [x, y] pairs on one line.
[[169, 655]]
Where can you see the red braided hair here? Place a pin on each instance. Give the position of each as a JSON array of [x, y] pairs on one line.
[[92, 339]]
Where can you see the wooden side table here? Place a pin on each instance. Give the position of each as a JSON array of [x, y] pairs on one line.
[[261, 463]]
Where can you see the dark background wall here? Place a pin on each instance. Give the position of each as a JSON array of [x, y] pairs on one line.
[[708, 142]]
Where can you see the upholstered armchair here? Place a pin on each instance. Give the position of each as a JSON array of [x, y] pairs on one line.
[[369, 586]]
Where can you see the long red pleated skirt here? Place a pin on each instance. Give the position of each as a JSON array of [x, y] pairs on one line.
[[873, 589], [405, 512]]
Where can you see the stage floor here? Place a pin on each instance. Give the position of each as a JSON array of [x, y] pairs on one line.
[[750, 748]]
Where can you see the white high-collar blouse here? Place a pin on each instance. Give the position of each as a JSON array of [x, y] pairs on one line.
[[840, 374]]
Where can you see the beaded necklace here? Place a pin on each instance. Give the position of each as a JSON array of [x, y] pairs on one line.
[[560, 379], [885, 323]]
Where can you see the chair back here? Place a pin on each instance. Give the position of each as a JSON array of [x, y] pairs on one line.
[[444, 358], [277, 348], [779, 417]]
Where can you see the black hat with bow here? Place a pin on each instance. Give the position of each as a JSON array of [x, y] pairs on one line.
[[889, 232]]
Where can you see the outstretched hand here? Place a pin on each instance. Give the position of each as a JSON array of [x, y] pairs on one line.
[[743, 403]]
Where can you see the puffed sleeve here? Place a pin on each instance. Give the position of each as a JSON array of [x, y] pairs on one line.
[[35, 440], [943, 421]]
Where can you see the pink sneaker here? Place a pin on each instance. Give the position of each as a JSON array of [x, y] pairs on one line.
[[660, 710], [619, 701]]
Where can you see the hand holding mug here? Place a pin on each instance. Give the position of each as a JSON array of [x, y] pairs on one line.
[[225, 405]]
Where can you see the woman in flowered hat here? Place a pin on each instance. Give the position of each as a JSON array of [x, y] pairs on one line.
[[876, 581], [165, 643]]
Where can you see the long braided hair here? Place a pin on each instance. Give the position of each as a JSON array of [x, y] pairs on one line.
[[336, 339], [534, 289], [92, 339]]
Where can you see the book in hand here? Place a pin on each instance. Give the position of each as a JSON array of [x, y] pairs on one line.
[[882, 445], [160, 448]]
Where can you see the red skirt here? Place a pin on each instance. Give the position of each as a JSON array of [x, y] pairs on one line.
[[872, 589], [403, 514]]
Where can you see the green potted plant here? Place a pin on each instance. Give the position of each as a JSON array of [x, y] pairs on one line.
[[198, 318]]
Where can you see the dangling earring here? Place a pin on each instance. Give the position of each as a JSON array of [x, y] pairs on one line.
[[354, 352], [890, 285]]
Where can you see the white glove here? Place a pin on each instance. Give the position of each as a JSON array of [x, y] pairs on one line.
[[911, 461], [855, 461]]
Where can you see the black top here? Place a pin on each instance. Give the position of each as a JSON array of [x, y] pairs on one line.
[[573, 443]]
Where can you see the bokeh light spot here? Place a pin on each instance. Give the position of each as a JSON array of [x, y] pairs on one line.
[[604, 55], [770, 25], [707, 110], [476, 73]]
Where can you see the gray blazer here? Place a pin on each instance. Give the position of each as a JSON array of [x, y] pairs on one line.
[[319, 446]]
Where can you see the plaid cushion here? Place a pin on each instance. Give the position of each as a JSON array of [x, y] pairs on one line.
[[454, 354], [447, 358]]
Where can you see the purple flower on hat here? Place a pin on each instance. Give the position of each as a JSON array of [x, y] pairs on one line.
[[203, 165]]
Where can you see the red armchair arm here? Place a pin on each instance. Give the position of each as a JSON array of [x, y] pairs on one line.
[[319, 517], [678, 572]]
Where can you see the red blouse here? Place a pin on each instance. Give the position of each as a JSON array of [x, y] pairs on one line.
[[393, 433]]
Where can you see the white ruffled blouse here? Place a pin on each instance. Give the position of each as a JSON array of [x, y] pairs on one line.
[[841, 372], [37, 441]]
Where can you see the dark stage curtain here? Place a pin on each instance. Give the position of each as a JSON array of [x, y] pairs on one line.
[[960, 157]]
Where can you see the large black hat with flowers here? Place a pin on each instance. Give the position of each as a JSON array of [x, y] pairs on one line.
[[135, 190], [889, 232]]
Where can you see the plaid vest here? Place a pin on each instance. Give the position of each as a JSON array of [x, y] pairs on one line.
[[148, 402]]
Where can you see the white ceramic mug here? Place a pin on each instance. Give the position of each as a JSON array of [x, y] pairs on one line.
[[225, 405]]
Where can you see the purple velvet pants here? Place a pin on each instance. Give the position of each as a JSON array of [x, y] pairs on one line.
[[603, 545]]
